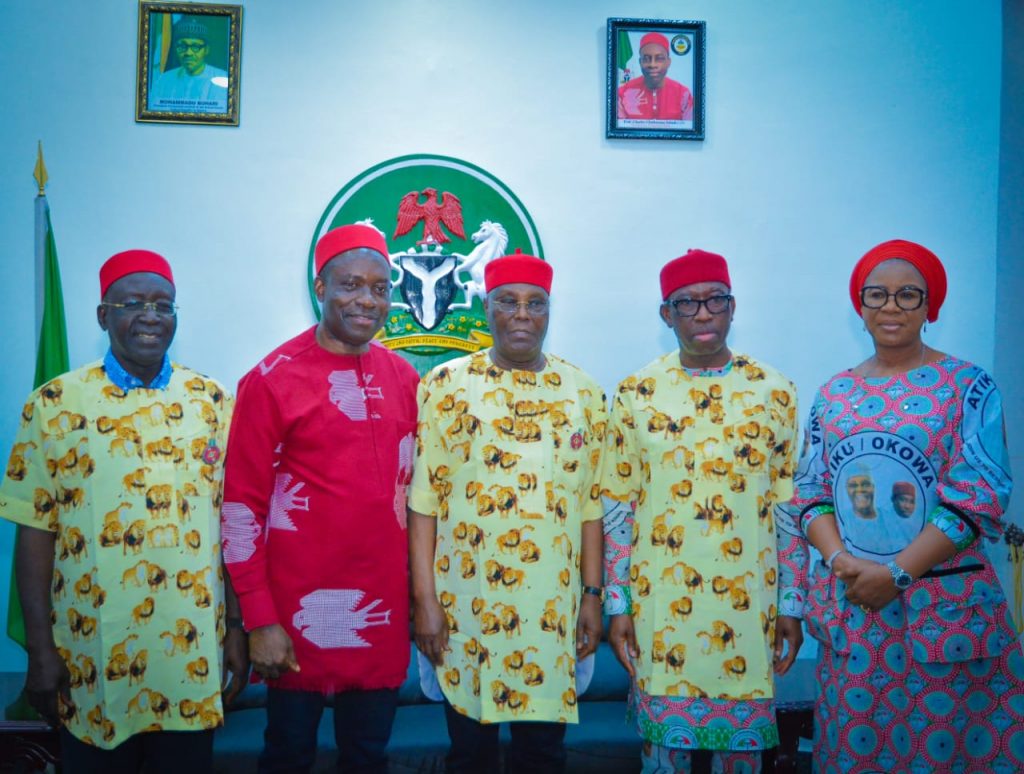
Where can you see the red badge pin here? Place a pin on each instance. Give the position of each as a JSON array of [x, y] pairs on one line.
[[211, 453], [576, 441]]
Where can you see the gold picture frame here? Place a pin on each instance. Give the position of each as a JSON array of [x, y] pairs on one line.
[[188, 63]]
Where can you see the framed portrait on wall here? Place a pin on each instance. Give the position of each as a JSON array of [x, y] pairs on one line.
[[188, 63], [655, 79]]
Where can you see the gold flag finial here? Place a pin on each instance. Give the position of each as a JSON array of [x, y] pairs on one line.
[[39, 173]]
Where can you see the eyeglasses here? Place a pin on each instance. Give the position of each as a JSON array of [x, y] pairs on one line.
[[193, 47], [534, 307], [690, 307], [159, 308], [907, 298]]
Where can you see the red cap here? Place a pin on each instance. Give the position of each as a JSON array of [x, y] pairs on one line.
[[696, 266], [519, 267], [345, 238], [130, 262], [654, 37], [903, 488], [923, 259]]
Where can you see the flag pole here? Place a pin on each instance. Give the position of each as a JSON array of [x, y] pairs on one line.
[[51, 361], [41, 206]]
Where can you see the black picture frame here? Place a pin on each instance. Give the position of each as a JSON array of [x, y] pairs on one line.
[[178, 83], [672, 110]]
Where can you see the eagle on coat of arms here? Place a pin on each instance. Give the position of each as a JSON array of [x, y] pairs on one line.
[[433, 214]]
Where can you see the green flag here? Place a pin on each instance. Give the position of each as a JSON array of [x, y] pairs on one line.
[[51, 361], [52, 357], [623, 50]]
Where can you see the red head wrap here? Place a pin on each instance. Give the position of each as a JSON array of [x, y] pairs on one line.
[[518, 268], [654, 37], [923, 259], [696, 266], [345, 238], [903, 488], [130, 262]]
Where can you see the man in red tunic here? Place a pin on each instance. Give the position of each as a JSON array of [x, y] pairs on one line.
[[314, 515], [654, 96]]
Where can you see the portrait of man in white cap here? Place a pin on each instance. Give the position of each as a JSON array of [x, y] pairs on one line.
[[195, 85]]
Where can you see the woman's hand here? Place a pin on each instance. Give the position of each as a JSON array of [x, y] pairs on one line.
[[848, 567], [868, 584]]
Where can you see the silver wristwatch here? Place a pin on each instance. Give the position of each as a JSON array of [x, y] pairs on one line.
[[900, 577]]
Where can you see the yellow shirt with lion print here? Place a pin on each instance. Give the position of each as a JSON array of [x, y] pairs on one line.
[[508, 462], [130, 482], [703, 457]]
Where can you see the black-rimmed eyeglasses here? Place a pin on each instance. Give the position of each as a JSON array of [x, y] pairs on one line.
[[690, 307], [908, 298], [159, 308]]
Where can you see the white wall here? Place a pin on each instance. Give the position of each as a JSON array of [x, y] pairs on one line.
[[830, 127]]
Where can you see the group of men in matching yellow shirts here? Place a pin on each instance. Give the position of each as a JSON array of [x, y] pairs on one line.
[[533, 509]]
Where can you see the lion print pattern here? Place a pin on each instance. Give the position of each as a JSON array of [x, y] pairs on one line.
[[128, 480], [704, 457], [509, 464]]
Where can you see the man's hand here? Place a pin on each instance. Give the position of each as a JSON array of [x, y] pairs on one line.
[[588, 626], [236, 664], [622, 638], [787, 630], [430, 628], [48, 678], [271, 651]]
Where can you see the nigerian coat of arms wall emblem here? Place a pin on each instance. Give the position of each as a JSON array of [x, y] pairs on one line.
[[444, 220]]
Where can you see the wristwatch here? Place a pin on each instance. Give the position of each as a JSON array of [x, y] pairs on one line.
[[596, 591], [900, 577]]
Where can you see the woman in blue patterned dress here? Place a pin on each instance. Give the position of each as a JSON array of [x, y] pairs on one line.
[[904, 478]]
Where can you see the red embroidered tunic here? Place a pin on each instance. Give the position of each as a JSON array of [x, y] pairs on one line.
[[314, 510], [672, 102]]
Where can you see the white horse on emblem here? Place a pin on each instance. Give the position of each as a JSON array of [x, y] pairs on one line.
[[491, 240]]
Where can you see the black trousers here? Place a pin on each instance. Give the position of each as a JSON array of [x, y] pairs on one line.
[[156, 752], [536, 748], [362, 727]]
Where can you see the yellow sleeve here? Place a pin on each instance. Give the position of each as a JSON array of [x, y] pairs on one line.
[[783, 464], [430, 454], [227, 410], [28, 494], [621, 470], [597, 419]]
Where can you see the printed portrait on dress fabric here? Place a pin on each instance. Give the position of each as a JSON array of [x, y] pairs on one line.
[[883, 485]]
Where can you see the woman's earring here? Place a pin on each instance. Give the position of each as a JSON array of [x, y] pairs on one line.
[[925, 326]]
